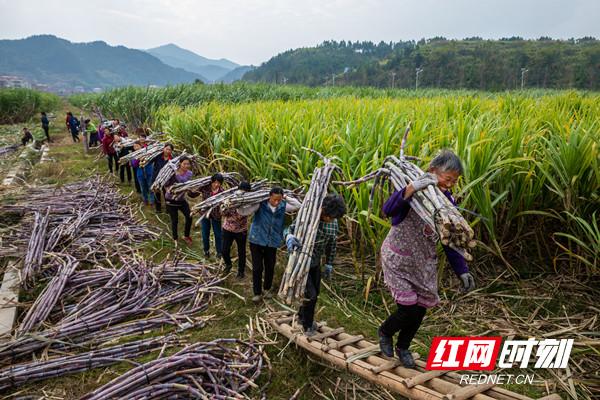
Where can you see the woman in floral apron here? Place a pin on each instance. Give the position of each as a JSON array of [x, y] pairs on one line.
[[409, 259]]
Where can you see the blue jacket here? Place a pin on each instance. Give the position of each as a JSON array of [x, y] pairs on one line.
[[267, 226]]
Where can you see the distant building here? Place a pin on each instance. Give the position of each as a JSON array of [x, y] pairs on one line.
[[42, 87], [11, 81], [97, 90]]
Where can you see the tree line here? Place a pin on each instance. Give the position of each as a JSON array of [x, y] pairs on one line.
[[472, 63]]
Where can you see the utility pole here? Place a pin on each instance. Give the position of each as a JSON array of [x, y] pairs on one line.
[[417, 73], [332, 79], [523, 72], [393, 78]]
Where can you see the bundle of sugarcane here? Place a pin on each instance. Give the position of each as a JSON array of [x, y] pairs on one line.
[[46, 301], [135, 290], [221, 369], [196, 185], [430, 204], [242, 199], [20, 374], [167, 172], [6, 150], [205, 207], [293, 281], [123, 142], [144, 155], [35, 249], [434, 208]]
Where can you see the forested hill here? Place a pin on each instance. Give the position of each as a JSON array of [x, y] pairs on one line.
[[470, 63], [60, 64]]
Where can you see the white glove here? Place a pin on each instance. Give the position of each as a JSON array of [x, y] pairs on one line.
[[424, 180]]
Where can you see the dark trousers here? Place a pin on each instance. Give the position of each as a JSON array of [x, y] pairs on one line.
[[306, 313], [93, 139], [122, 169], [75, 135], [46, 132], [240, 240], [406, 321], [207, 223], [112, 158], [173, 207], [263, 259], [157, 197], [136, 181]]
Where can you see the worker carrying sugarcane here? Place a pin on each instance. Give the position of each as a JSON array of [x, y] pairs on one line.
[[266, 235], [409, 259], [325, 245]]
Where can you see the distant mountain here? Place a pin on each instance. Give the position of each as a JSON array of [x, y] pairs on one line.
[[177, 57], [62, 65], [236, 74], [472, 63]]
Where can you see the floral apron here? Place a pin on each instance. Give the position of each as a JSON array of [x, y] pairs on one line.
[[409, 260]]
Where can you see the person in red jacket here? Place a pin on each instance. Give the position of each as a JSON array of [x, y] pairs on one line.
[[109, 150]]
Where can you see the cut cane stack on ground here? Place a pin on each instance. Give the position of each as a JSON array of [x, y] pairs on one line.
[[293, 281]]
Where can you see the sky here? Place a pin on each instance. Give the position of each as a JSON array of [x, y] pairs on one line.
[[252, 31]]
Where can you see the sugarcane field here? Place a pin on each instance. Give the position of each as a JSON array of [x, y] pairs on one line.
[[377, 218]]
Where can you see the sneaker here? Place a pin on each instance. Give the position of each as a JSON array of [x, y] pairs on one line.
[[227, 269], [206, 254], [188, 240], [268, 294], [256, 298], [385, 344], [405, 357], [219, 256], [241, 275]]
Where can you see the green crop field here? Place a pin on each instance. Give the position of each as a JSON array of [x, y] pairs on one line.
[[19, 105], [532, 167]]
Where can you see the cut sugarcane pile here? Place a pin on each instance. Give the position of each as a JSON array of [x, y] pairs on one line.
[[167, 172], [197, 185], [89, 220], [34, 371], [35, 248], [293, 281], [221, 369], [434, 208], [145, 155], [43, 305], [87, 310]]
